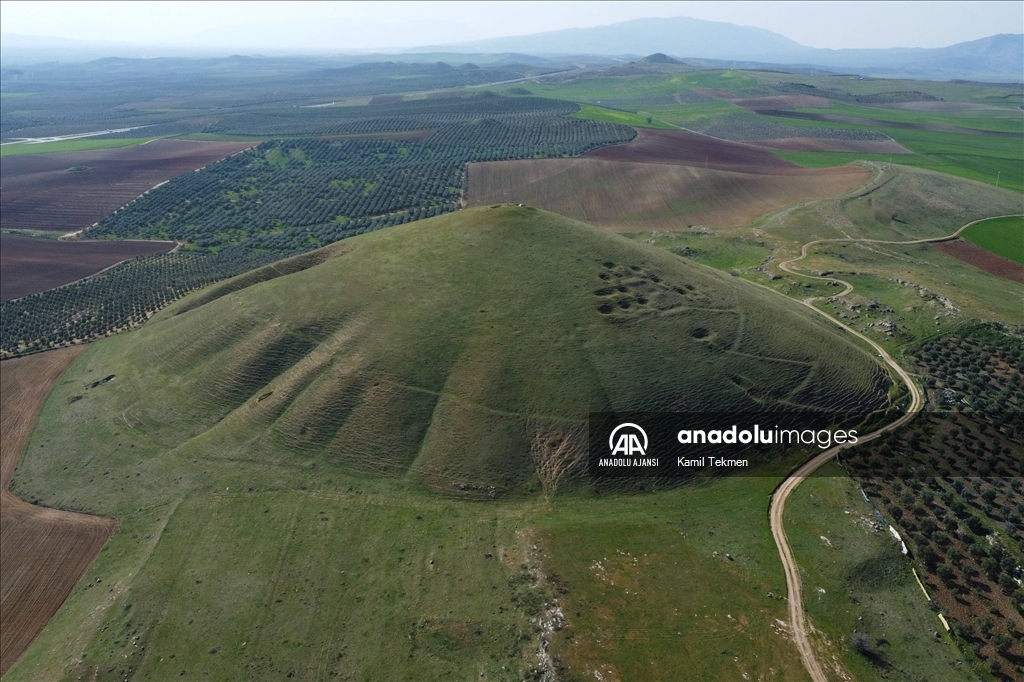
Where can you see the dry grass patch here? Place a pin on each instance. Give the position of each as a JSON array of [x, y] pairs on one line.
[[646, 196]]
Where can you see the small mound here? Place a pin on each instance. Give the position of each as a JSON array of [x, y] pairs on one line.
[[659, 58], [450, 352]]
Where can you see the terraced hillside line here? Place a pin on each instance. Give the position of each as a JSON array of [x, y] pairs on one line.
[[778, 502], [45, 551]]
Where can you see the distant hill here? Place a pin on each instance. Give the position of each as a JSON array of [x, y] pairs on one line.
[[450, 352], [995, 58], [676, 36]]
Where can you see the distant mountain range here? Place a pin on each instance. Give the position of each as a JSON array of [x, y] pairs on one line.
[[995, 58]]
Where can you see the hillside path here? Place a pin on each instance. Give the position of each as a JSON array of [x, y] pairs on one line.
[[782, 493]]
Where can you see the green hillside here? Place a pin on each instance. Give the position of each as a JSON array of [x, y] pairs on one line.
[[272, 447], [451, 352]]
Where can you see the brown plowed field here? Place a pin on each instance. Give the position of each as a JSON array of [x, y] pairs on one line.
[[28, 266], [647, 196], [682, 147], [45, 551], [984, 259], [41, 193], [809, 144]]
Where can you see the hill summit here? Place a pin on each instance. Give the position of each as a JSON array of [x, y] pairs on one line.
[[462, 353], [659, 58]]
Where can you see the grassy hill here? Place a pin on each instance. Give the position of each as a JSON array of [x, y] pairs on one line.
[[272, 447], [447, 352]]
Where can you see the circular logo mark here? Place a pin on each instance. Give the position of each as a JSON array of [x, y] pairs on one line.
[[631, 440]]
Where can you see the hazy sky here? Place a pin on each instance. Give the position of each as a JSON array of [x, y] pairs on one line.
[[363, 25]]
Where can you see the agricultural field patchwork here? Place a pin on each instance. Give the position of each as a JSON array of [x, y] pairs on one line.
[[951, 484], [340, 431], [31, 265], [1002, 236], [51, 549], [69, 191], [630, 197]]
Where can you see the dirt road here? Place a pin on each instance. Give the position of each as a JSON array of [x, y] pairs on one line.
[[778, 503]]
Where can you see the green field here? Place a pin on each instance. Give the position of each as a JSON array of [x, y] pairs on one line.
[[952, 91], [294, 436], [79, 145], [917, 305], [638, 119], [1001, 120], [856, 580], [1004, 236], [721, 253], [986, 158], [976, 157]]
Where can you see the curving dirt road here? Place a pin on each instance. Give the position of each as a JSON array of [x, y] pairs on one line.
[[782, 493]]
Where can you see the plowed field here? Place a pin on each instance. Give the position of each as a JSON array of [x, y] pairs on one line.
[[693, 149], [68, 191], [45, 551], [812, 144], [28, 266], [647, 196], [984, 259]]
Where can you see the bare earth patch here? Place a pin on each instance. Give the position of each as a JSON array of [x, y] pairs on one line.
[[981, 258], [45, 551], [28, 265], [644, 196], [69, 191], [683, 147]]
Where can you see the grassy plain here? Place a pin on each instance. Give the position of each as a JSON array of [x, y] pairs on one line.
[[992, 119], [856, 580], [629, 118], [981, 157], [79, 145], [951, 91], [270, 451], [681, 584], [902, 293], [1004, 236]]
